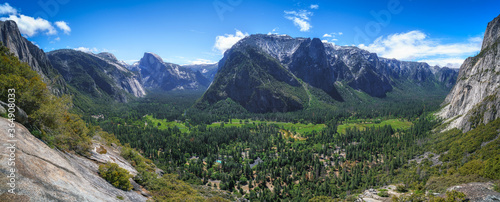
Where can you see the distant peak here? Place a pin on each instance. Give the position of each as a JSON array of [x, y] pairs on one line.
[[108, 56], [492, 33], [152, 58]]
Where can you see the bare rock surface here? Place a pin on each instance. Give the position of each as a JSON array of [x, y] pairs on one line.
[[26, 51], [475, 98], [477, 191], [45, 174]]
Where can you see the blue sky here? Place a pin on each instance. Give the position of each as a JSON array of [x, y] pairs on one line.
[[183, 32]]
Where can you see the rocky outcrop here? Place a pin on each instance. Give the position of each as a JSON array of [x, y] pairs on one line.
[[475, 98], [19, 114], [32, 55], [45, 174], [477, 191], [97, 75], [157, 74]]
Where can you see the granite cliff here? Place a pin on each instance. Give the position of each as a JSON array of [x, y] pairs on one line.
[[475, 98], [31, 54]]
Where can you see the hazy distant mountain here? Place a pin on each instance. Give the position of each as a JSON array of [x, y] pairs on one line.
[[157, 74], [207, 70], [313, 63], [98, 75], [475, 99]]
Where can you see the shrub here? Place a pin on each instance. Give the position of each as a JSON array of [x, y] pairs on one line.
[[383, 194], [169, 188], [48, 114], [401, 188], [243, 180], [115, 175], [492, 168]]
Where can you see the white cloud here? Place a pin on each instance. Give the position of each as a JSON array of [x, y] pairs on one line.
[[6, 9], [275, 31], [300, 19], [200, 61], [63, 26], [87, 50], [222, 43], [332, 37], [31, 26], [445, 62], [314, 6], [340, 33], [417, 46], [326, 41]]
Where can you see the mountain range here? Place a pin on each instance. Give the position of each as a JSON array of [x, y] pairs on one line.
[[269, 73], [262, 73]]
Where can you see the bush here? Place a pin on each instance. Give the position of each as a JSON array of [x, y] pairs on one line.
[[383, 194], [401, 188], [115, 175], [243, 180], [492, 168], [48, 114], [169, 188]]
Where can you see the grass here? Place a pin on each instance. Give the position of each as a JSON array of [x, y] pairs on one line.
[[164, 124], [297, 128], [395, 123], [300, 128]]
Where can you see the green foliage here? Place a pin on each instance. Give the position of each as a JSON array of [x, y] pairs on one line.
[[383, 194], [115, 175], [169, 188], [120, 197], [363, 124], [492, 168], [322, 199], [474, 167], [48, 114], [452, 196], [401, 188]]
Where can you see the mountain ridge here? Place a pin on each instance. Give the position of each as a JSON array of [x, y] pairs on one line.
[[96, 75], [322, 65], [157, 74], [26, 51]]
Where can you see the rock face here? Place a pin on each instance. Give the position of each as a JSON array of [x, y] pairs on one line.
[[257, 82], [321, 65], [476, 191], [31, 54], [45, 174], [157, 74], [475, 98], [98, 74]]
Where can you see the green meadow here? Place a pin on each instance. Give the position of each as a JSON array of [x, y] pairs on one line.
[[395, 123]]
